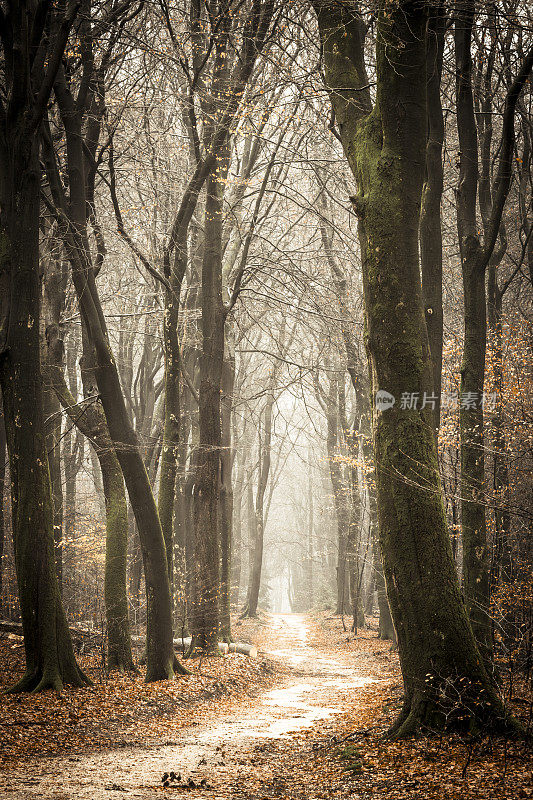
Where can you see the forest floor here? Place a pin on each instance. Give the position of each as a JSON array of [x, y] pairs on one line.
[[303, 720]]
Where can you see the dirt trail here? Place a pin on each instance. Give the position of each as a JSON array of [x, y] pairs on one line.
[[315, 689]]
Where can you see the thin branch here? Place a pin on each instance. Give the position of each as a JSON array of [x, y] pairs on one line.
[[503, 178]]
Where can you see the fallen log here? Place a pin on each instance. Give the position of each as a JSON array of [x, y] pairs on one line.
[[234, 647], [81, 634], [183, 645], [245, 649], [11, 627], [6, 626]]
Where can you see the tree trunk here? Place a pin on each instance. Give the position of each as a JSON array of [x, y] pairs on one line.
[[339, 492], [445, 681], [96, 475], [360, 384], [172, 419], [205, 611], [355, 525], [474, 526], [251, 519], [3, 455], [262, 481], [50, 658], [504, 560], [236, 546], [430, 220], [72, 444], [93, 425], [136, 565], [54, 284], [160, 653], [119, 655], [476, 557], [370, 591], [310, 539], [475, 258], [386, 626], [52, 415], [170, 445], [183, 532], [226, 497]]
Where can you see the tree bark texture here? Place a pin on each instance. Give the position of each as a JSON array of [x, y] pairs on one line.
[[3, 456], [256, 566], [386, 149], [50, 658], [340, 493], [205, 611], [93, 425], [226, 495], [430, 212], [172, 418]]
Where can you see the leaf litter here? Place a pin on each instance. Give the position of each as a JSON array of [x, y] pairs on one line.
[[305, 720]]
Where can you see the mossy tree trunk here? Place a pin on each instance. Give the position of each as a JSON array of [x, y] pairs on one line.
[[445, 682], [90, 421]]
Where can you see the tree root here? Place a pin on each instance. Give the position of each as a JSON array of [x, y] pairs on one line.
[[122, 666], [37, 680], [179, 668], [470, 716], [160, 672]]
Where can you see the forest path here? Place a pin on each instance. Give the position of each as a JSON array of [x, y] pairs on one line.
[[219, 752]]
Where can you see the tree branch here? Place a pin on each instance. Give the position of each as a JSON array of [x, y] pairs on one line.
[[503, 178]]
